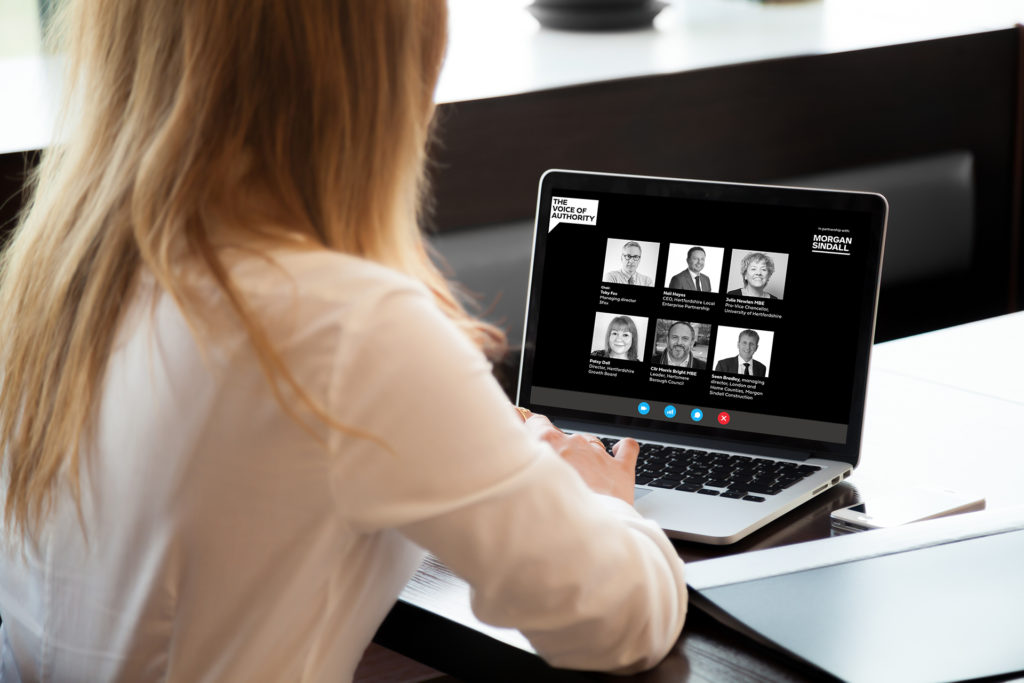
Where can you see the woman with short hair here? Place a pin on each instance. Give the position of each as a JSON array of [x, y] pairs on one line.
[[756, 269]]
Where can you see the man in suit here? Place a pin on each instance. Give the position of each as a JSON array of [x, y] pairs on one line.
[[691, 278], [681, 338], [744, 363]]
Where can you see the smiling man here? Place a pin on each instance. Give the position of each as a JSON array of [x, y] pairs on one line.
[[678, 350], [692, 278], [628, 274], [744, 363]]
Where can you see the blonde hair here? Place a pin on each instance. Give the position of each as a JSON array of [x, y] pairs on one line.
[[184, 110]]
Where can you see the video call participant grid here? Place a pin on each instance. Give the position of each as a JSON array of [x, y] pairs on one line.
[[677, 352]]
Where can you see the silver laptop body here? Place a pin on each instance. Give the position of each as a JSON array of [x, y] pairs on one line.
[[714, 322]]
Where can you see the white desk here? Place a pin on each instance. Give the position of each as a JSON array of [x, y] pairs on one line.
[[960, 421], [496, 48], [941, 405]]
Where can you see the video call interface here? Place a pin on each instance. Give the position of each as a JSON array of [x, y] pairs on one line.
[[717, 316]]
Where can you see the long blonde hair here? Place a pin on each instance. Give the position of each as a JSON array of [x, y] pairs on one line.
[[181, 110]]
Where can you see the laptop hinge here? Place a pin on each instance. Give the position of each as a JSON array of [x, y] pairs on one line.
[[621, 431]]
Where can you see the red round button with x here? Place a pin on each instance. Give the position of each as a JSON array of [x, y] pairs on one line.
[[723, 418]]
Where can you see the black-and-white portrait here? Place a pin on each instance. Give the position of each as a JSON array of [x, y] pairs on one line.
[[630, 262], [681, 344], [620, 337], [694, 267], [757, 274], [743, 351]]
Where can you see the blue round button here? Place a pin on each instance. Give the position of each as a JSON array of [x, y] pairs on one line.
[[696, 414], [644, 408], [670, 411]]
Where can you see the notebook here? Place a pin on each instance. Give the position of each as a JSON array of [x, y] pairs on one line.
[[727, 327], [937, 600]]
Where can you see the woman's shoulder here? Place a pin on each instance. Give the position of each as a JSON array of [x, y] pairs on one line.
[[600, 353], [316, 292], [319, 274], [735, 292]]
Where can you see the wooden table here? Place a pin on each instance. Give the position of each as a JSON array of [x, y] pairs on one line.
[[944, 409]]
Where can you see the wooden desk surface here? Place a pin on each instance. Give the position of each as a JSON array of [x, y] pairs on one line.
[[943, 410]]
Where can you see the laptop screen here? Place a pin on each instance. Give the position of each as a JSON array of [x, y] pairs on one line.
[[684, 309]]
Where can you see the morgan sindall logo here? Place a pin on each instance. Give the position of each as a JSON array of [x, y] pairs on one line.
[[832, 241]]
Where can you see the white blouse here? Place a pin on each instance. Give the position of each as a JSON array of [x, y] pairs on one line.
[[223, 541]]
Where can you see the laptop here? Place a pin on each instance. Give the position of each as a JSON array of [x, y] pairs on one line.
[[727, 327]]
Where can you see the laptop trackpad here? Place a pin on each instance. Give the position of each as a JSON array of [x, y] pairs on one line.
[[639, 493]]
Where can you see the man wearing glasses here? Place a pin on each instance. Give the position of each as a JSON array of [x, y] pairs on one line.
[[628, 275]]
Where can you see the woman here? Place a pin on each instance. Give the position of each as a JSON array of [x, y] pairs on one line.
[[620, 340], [239, 400], [756, 269]]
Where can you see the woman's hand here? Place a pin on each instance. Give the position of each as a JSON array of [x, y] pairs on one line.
[[612, 475]]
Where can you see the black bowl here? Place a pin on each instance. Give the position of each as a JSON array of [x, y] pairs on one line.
[[595, 15]]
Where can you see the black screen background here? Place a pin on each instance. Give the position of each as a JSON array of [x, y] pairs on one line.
[[826, 310]]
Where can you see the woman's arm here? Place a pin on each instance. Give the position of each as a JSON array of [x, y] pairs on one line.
[[585, 578]]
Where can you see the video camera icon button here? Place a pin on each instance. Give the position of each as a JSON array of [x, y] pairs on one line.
[[643, 408]]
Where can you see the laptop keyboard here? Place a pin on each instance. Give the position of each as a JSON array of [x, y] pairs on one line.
[[711, 473]]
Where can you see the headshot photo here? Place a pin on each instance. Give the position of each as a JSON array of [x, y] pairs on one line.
[[629, 262], [681, 344], [694, 267], [619, 336], [742, 351], [757, 274]]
